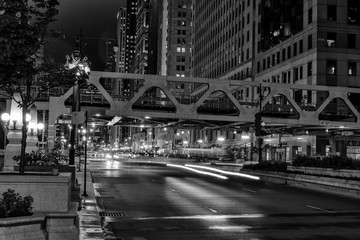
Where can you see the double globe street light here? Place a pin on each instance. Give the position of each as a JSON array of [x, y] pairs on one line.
[[75, 61]]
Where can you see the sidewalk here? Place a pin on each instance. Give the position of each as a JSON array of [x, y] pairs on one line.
[[89, 220]]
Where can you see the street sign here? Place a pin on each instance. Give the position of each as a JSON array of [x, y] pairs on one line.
[[78, 118], [62, 121]]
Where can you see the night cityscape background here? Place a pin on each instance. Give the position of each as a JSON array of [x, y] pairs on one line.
[[185, 119]]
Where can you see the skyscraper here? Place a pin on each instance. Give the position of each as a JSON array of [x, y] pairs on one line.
[[131, 11], [121, 40]]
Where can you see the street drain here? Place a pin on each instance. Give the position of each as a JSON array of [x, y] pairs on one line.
[[105, 197], [111, 214]]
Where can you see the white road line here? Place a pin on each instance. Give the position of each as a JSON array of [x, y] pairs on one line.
[[173, 190], [248, 190], [321, 209], [205, 217], [213, 210]]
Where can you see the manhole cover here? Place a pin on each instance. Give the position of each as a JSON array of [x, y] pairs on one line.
[[111, 214]]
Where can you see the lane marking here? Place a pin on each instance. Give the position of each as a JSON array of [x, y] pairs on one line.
[[206, 217], [239, 228], [320, 209], [173, 190], [213, 210], [248, 190]]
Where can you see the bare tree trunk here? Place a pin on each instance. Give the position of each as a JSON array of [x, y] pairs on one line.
[[25, 101]]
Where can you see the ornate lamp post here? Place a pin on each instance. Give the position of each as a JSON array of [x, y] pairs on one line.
[[75, 61]]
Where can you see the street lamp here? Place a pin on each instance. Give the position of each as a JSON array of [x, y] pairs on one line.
[[6, 118], [41, 126], [245, 137], [74, 61], [32, 127]]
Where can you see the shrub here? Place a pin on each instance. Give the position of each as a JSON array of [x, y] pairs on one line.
[[44, 158], [267, 166], [334, 162], [13, 205]]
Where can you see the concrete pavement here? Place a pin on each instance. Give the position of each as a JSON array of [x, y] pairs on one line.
[[89, 220]]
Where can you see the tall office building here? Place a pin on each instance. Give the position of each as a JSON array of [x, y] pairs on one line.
[[174, 38], [121, 40], [110, 55], [142, 38], [170, 51], [131, 11], [313, 42]]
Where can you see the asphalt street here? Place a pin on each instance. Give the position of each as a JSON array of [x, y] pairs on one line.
[[165, 201]]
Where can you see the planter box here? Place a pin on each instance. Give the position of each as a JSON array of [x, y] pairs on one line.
[[345, 173], [23, 228], [62, 168], [50, 193]]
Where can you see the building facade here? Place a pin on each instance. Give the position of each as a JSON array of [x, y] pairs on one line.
[[301, 42]]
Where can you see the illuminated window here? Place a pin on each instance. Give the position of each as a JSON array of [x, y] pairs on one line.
[[331, 39], [331, 67], [352, 68]]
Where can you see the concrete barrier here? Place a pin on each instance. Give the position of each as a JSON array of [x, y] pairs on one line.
[[342, 173], [338, 185]]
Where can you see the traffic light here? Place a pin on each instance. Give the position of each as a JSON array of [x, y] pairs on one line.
[[258, 124]]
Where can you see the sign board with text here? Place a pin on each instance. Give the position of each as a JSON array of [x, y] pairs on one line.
[[78, 118]]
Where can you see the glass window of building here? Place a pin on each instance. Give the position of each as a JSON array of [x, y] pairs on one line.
[[284, 77], [301, 47], [351, 41], [331, 39], [331, 12], [289, 52], [353, 12], [295, 49], [310, 44], [310, 16], [264, 64], [352, 68], [309, 69], [283, 54], [331, 67]]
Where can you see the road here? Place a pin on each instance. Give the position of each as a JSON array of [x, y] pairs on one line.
[[162, 202]]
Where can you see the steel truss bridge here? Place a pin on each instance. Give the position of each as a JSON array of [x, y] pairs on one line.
[[221, 103]]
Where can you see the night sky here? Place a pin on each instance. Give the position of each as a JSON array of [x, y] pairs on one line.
[[97, 18]]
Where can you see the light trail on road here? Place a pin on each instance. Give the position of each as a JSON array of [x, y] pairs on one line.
[[197, 171], [224, 172]]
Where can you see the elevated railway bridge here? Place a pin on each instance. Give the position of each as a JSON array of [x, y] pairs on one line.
[[155, 101], [222, 102]]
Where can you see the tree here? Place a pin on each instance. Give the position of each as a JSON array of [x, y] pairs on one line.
[[23, 30]]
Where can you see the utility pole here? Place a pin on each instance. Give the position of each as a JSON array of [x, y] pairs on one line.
[[85, 153]]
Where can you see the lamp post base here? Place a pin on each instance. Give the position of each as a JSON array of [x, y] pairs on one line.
[[72, 156]]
